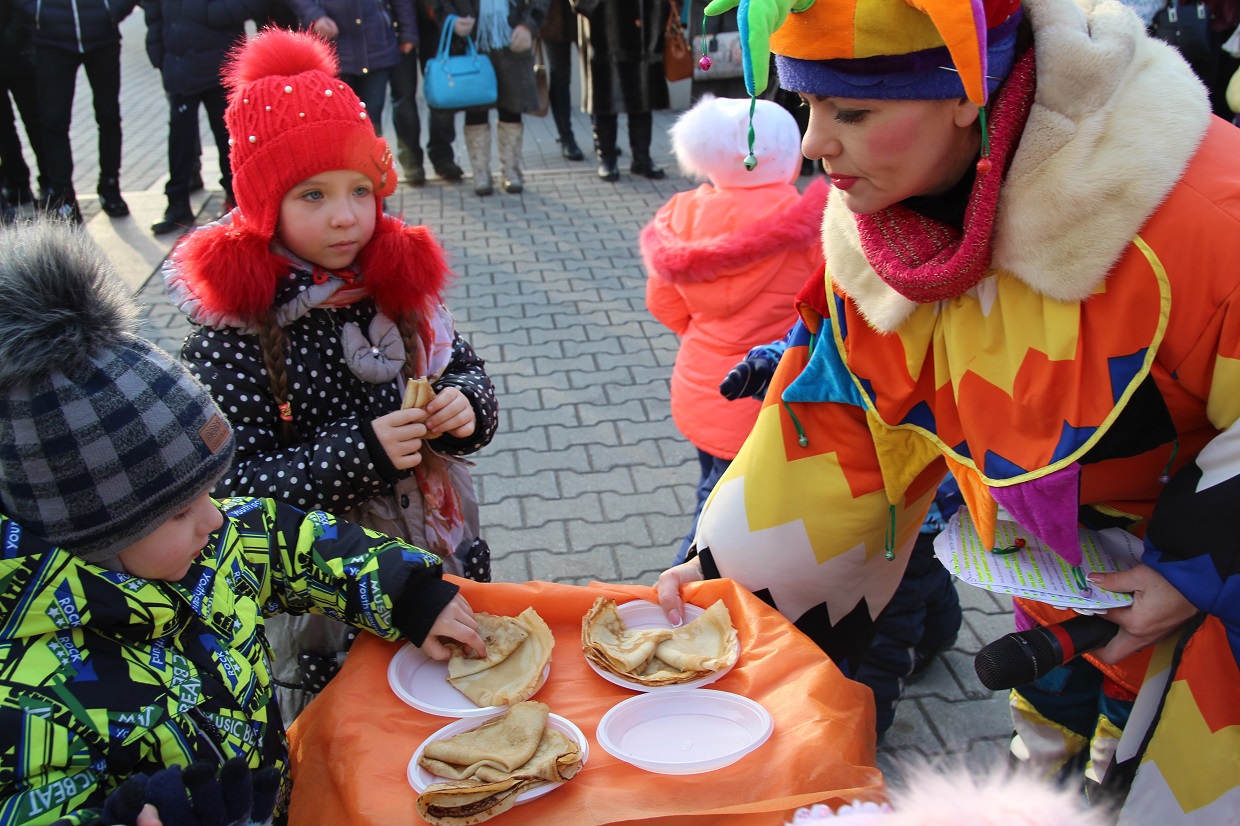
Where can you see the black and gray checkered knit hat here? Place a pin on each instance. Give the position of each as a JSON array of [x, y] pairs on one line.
[[103, 436]]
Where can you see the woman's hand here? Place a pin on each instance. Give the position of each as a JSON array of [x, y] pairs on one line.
[[1157, 610], [463, 26], [401, 433], [149, 816], [450, 412], [669, 585], [522, 40], [326, 28], [455, 622]]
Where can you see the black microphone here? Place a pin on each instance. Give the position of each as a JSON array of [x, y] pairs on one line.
[[1024, 656]]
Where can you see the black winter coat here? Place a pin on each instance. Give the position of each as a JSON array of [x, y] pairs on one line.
[[77, 25], [621, 45], [368, 30], [187, 40], [16, 41]]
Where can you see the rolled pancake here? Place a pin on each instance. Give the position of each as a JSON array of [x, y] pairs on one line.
[[467, 802], [659, 656], [517, 676]]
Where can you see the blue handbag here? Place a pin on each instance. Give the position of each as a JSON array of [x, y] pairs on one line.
[[458, 81]]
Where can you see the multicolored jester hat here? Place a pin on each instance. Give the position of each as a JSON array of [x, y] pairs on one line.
[[847, 30]]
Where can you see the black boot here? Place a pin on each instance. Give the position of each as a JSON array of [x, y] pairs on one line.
[[605, 147], [564, 126], [63, 206], [110, 198], [640, 128], [178, 217]]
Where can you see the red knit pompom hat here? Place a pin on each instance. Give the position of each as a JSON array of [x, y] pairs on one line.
[[290, 117]]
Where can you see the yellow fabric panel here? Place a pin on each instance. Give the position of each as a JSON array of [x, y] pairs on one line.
[[818, 475], [892, 27], [1223, 406], [1183, 731], [903, 453], [992, 341]]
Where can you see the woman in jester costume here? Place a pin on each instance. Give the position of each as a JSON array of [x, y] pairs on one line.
[[1029, 282]]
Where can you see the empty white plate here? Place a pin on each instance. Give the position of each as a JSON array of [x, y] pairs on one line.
[[423, 683], [639, 614], [684, 732]]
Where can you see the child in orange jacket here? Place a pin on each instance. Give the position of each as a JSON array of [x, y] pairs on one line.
[[725, 261]]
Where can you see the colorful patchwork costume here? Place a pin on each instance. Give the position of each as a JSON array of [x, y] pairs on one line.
[[1073, 354]]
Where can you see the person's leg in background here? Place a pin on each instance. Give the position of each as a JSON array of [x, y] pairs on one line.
[[711, 469], [26, 102], [14, 173], [183, 154], [441, 134], [508, 137], [478, 144], [372, 89], [405, 120], [103, 71], [559, 81], [641, 125], [56, 76], [215, 101], [605, 146]]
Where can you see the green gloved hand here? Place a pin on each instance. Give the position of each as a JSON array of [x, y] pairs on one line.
[[758, 20]]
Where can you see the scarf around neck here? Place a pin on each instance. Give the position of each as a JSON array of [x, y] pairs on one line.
[[925, 260], [494, 33]]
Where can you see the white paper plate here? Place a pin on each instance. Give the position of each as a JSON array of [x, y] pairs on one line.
[[423, 683], [684, 732], [420, 778], [639, 614]]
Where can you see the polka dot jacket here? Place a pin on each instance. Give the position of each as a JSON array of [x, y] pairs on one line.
[[336, 463]]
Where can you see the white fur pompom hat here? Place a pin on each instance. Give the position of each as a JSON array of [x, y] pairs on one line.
[[711, 140], [955, 796]]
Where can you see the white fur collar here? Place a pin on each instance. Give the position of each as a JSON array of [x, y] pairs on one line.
[[1095, 161]]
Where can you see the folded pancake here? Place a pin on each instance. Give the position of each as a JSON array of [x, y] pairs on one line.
[[517, 675], [706, 644], [487, 768], [659, 656], [502, 635], [612, 645], [502, 745]]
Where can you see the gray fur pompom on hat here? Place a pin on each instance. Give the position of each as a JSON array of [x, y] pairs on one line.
[[103, 436], [59, 302]]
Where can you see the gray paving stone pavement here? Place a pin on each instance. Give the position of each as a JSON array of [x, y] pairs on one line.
[[587, 478]]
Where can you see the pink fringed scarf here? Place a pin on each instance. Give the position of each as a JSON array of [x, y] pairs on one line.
[[926, 261]]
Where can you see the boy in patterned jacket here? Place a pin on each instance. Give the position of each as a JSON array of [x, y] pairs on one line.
[[132, 604]]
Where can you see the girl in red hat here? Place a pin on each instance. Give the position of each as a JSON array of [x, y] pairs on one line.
[[313, 310]]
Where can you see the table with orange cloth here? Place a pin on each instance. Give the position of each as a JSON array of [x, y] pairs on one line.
[[352, 745]]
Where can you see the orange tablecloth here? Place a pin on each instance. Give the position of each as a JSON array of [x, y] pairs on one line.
[[352, 745]]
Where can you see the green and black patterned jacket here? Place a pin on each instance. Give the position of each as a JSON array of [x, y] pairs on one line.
[[103, 675]]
